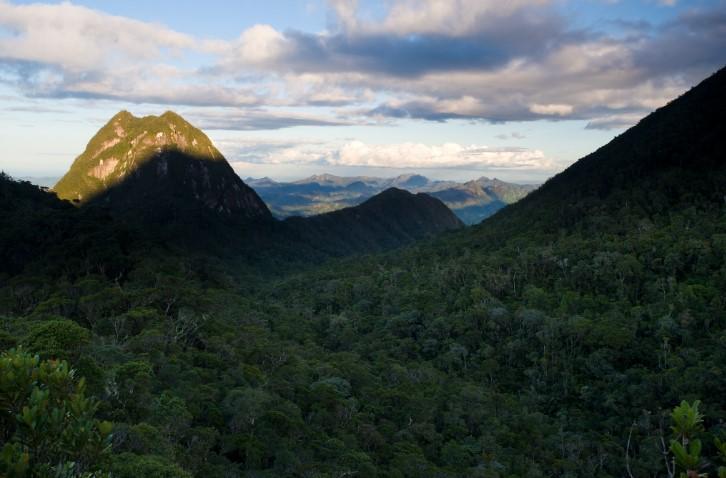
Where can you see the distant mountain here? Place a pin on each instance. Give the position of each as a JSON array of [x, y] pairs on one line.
[[158, 166], [410, 181], [390, 219], [476, 200], [537, 343], [472, 201]]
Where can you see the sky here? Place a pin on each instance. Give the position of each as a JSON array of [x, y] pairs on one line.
[[452, 89]]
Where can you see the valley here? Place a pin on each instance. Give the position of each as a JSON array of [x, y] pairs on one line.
[[575, 332]]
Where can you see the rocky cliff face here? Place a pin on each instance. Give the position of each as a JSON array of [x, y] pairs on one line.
[[157, 162]]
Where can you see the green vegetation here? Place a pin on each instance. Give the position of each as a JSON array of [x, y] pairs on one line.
[[132, 163], [48, 425], [126, 143], [686, 447], [579, 333], [387, 220]]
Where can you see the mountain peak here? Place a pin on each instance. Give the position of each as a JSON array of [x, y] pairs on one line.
[[393, 193], [141, 161], [409, 181], [122, 115], [324, 177], [673, 156], [173, 117], [389, 219]]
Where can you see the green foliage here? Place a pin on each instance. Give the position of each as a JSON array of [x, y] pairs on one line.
[[131, 390], [686, 448], [60, 338], [7, 341], [721, 448], [48, 425], [688, 456], [552, 340], [128, 465], [687, 420]]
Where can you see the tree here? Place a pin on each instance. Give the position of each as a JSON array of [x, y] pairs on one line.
[[685, 446], [129, 465], [57, 339], [47, 424], [132, 384]]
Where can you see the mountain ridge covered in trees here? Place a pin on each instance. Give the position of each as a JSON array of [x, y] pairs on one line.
[[577, 333]]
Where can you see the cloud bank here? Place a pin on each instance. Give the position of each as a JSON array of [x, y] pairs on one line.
[[480, 60], [397, 155]]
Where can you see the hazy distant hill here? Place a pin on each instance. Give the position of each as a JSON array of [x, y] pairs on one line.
[[472, 201]]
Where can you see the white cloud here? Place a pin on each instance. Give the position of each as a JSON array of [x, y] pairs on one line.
[[261, 43], [81, 39], [450, 155], [249, 119], [449, 17], [551, 109], [431, 59], [398, 155], [346, 12]]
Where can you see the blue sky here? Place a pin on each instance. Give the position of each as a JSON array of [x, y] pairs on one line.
[[452, 89]]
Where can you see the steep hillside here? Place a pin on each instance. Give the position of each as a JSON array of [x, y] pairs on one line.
[[162, 178], [390, 219], [160, 166], [41, 233], [672, 157], [578, 333], [555, 338]]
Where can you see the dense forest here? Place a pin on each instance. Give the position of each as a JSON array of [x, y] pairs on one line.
[[578, 333]]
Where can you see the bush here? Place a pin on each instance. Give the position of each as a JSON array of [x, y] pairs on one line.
[[47, 424], [58, 339]]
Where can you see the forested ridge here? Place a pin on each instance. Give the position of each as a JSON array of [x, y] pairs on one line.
[[578, 333]]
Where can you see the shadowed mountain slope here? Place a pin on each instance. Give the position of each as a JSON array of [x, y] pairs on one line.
[[390, 219], [158, 180], [671, 158], [553, 340], [98, 238], [158, 166]]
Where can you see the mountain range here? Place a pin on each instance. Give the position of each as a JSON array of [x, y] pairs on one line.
[[472, 201], [577, 332], [165, 179]]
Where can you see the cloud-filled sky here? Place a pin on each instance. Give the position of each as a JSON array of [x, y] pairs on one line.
[[449, 88]]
